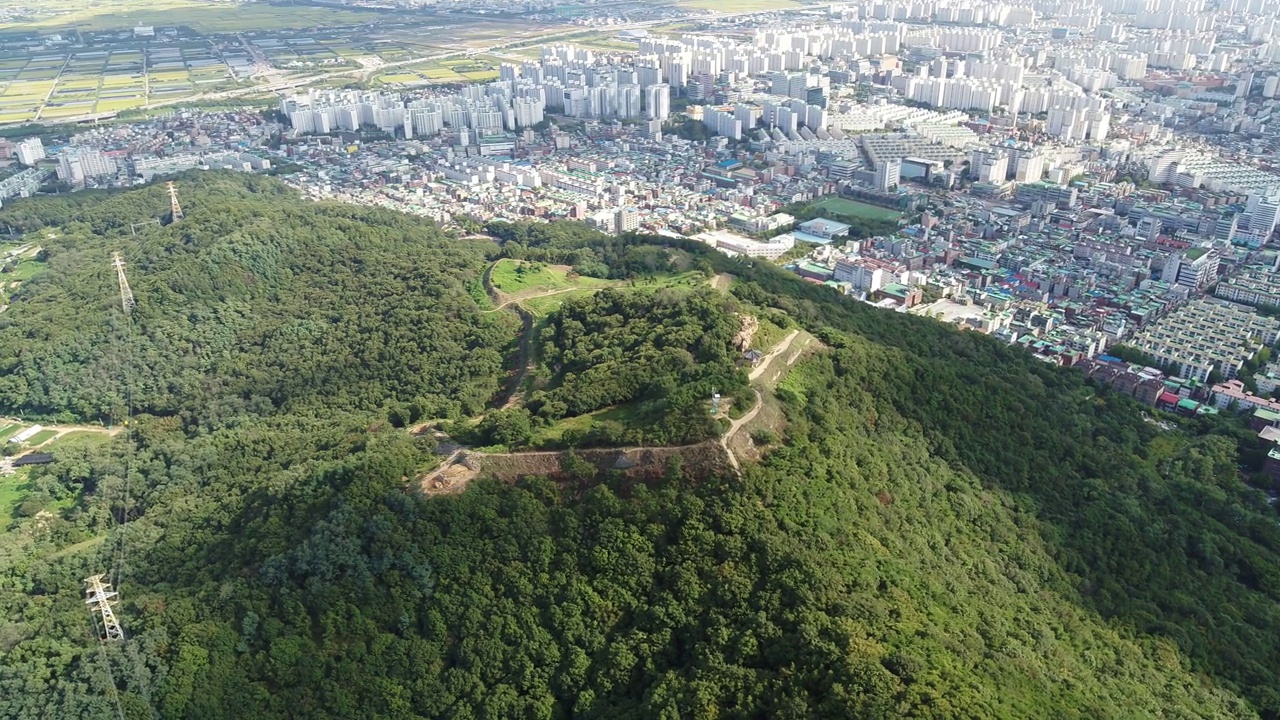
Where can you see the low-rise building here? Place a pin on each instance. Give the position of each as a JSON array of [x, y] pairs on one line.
[[1208, 335], [770, 249]]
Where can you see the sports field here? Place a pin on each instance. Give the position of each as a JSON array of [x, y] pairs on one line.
[[853, 208]]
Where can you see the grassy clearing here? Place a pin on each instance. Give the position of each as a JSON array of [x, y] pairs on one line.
[[41, 438], [798, 380], [544, 306], [81, 439], [517, 278], [13, 488], [400, 78], [551, 435], [856, 209], [768, 334], [78, 547], [7, 430]]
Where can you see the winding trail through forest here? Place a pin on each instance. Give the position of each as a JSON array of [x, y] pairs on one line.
[[451, 476], [438, 481], [756, 373], [524, 356]]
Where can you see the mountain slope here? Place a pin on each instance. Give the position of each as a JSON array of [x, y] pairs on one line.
[[948, 528], [257, 302]]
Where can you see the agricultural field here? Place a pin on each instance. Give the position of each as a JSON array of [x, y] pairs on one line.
[[41, 438], [71, 84], [13, 488], [46, 436], [52, 16], [853, 208], [16, 489]]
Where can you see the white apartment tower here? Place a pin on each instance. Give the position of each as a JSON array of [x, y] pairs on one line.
[[30, 152], [658, 102], [888, 173]]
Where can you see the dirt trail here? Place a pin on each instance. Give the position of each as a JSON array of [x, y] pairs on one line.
[[61, 428], [736, 425], [773, 354], [755, 375], [522, 298], [525, 358]]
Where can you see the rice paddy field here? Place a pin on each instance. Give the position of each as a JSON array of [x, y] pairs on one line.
[[325, 50], [50, 16], [54, 85], [64, 60]]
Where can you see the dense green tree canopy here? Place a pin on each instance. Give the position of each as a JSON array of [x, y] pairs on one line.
[[257, 302], [666, 351], [946, 527]]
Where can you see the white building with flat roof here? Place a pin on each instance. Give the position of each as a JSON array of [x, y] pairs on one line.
[[732, 244]]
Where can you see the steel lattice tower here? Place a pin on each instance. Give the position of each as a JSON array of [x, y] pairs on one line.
[[99, 596], [175, 210], [126, 295]]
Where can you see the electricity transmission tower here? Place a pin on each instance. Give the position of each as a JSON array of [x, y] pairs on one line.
[[126, 295], [99, 597], [175, 210]]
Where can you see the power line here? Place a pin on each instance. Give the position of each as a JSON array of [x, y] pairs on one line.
[[106, 665], [126, 499], [127, 303], [126, 294]]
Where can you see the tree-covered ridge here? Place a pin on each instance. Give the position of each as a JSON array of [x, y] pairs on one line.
[[667, 350], [279, 570], [946, 527], [257, 302], [1157, 528], [589, 251]]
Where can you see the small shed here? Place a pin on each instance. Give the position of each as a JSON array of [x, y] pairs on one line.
[[38, 458]]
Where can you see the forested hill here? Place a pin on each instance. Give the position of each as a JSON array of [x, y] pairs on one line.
[[945, 527], [257, 302]]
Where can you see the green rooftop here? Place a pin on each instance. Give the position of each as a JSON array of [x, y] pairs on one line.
[[1265, 414]]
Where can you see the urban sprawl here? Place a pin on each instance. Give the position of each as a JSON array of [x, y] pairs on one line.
[[1067, 176]]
